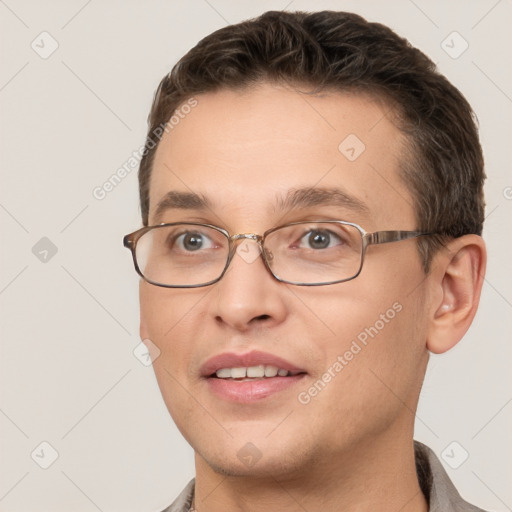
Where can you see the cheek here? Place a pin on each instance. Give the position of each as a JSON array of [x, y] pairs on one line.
[[168, 318], [372, 372], [377, 348], [164, 312]]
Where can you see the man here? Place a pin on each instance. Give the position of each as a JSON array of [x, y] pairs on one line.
[[312, 199]]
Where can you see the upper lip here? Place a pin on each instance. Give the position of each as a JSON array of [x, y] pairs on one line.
[[253, 358]]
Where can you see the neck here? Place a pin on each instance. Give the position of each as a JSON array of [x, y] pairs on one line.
[[376, 475]]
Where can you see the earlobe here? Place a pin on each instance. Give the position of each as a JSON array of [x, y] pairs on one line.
[[457, 278]]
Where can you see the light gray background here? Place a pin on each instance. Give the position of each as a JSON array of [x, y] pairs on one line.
[[69, 325]]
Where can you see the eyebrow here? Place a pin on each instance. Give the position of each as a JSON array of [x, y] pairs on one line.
[[308, 197], [181, 201], [293, 200]]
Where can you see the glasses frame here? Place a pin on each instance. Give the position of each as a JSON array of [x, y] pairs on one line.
[[375, 238]]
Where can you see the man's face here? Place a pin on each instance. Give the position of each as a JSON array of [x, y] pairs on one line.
[[360, 345]]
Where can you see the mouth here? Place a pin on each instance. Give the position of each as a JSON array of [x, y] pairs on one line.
[[249, 373], [250, 377]]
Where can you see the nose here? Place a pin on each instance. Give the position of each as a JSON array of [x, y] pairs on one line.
[[248, 296]]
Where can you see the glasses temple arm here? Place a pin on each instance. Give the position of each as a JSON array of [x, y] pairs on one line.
[[384, 237]]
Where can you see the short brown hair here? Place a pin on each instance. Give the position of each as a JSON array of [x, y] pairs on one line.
[[443, 165]]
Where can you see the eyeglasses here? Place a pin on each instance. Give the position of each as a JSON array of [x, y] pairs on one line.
[[313, 253]]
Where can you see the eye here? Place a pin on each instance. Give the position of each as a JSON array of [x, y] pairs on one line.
[[319, 239], [193, 241]]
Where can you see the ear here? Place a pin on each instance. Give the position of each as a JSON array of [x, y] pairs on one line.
[[457, 278]]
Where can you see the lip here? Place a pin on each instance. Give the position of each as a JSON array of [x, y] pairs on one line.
[[249, 391], [253, 358]]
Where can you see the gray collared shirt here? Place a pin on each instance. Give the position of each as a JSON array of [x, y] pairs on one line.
[[434, 482]]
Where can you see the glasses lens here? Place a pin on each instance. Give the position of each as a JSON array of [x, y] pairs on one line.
[[315, 252], [182, 254]]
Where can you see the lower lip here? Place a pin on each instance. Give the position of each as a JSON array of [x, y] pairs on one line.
[[247, 392]]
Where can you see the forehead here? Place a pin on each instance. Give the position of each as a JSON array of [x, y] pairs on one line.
[[245, 149]]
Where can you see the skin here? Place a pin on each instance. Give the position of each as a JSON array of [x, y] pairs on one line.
[[352, 443]]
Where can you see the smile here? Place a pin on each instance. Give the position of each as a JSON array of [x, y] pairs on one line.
[[249, 377], [253, 372]]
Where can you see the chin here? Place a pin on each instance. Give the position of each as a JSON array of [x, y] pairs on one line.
[[259, 459], [261, 469]]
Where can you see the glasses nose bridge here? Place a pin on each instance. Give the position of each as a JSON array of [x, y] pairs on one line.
[[249, 236], [259, 239]]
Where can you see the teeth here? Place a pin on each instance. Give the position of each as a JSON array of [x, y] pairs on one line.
[[255, 371], [238, 373], [259, 371], [224, 373], [271, 371]]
